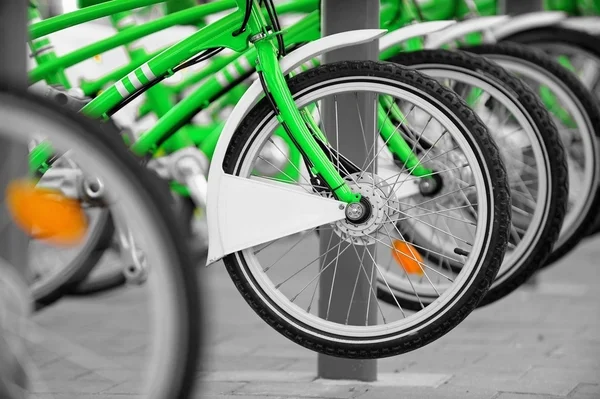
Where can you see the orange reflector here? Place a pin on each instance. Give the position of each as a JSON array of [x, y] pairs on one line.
[[46, 214], [98, 58], [408, 257]]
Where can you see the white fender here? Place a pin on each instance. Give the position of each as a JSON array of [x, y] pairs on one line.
[[236, 219], [411, 31], [589, 25], [457, 31], [527, 21]]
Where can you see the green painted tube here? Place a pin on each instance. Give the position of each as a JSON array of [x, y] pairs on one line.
[[87, 14], [91, 88], [122, 38]]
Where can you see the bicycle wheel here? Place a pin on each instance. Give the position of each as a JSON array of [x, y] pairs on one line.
[[459, 146], [577, 116], [167, 344], [578, 51], [535, 160], [582, 51]]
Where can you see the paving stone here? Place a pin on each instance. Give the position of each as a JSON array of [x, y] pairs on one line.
[[56, 374], [41, 356], [518, 362], [91, 383], [283, 349], [542, 333], [563, 374], [235, 396], [562, 289], [218, 388], [399, 380], [442, 360], [443, 392], [384, 379], [475, 336], [229, 363], [301, 390], [80, 396], [258, 376], [586, 391], [130, 387], [511, 384], [590, 333], [564, 313], [401, 363], [507, 371], [579, 356], [307, 364], [85, 384], [239, 347], [513, 395], [118, 376]]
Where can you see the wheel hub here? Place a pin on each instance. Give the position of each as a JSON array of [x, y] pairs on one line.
[[355, 212], [365, 218], [430, 186]]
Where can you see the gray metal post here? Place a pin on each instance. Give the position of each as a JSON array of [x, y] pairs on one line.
[[13, 157], [516, 7], [13, 163], [351, 282]]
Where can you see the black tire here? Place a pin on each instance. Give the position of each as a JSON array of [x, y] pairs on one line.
[[559, 35], [540, 61], [489, 259], [548, 138], [111, 150]]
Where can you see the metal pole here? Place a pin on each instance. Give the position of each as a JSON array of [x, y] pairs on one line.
[[13, 164], [513, 7], [352, 298], [13, 156]]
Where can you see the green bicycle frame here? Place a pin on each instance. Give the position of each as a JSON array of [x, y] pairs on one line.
[[306, 30], [219, 34], [205, 137]]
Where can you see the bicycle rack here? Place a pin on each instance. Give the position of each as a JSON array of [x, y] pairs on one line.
[[340, 16]]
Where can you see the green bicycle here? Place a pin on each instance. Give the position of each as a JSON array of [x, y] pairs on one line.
[[540, 212], [541, 220], [336, 189]]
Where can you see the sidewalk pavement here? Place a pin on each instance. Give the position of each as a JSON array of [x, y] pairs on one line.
[[542, 341]]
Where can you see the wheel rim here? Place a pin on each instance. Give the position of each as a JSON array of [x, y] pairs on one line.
[[283, 305], [523, 237], [582, 166], [586, 64]]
